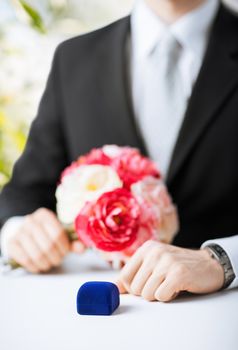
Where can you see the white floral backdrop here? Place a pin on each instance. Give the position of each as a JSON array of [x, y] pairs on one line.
[[29, 32]]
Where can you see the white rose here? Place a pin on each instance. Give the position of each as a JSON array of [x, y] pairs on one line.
[[112, 151], [86, 183]]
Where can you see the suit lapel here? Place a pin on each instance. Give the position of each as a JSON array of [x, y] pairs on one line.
[[112, 80], [217, 79]]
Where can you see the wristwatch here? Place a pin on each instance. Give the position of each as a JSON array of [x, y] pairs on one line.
[[218, 253]]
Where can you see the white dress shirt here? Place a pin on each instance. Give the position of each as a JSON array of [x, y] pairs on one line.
[[147, 29]]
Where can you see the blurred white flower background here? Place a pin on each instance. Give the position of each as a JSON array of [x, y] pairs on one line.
[[30, 30]]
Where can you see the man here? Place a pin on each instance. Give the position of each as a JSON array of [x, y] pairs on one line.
[[164, 80]]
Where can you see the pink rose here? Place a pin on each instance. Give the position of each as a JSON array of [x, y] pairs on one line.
[[159, 215], [131, 166], [95, 157], [111, 223], [153, 191]]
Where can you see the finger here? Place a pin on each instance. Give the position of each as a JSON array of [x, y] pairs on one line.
[[48, 247], [54, 229], [147, 255], [34, 252], [152, 285], [167, 290], [58, 237], [160, 271], [122, 264], [141, 277], [77, 247], [130, 269], [116, 265], [19, 255], [62, 242], [121, 287]]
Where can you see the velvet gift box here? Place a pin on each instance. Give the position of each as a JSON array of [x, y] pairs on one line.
[[97, 298]]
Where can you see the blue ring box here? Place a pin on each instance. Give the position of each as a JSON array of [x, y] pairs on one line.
[[97, 298]]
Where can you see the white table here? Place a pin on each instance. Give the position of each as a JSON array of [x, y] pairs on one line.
[[39, 313]]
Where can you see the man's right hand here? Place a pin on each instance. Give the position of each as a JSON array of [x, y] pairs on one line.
[[40, 243]]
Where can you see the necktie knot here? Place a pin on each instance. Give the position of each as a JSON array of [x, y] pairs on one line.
[[169, 46], [167, 54]]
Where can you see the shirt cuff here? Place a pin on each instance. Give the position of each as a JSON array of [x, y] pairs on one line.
[[230, 246], [8, 230]]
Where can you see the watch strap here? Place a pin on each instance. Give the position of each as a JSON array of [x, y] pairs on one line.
[[218, 253]]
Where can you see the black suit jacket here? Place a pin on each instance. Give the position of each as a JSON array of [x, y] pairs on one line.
[[86, 104]]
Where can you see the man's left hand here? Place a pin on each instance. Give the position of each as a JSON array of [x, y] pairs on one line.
[[159, 271]]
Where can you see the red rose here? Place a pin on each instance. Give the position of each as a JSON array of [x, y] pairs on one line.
[[131, 166], [96, 156], [111, 223]]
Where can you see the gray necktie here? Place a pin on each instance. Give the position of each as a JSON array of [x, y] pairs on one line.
[[164, 100]]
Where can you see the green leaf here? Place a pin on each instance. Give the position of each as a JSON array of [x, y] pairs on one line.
[[35, 17]]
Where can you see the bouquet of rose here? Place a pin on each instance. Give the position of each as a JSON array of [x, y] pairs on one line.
[[113, 199]]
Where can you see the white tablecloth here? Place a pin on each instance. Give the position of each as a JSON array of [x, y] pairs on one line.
[[39, 313]]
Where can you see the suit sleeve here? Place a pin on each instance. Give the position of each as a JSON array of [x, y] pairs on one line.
[[37, 171]]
